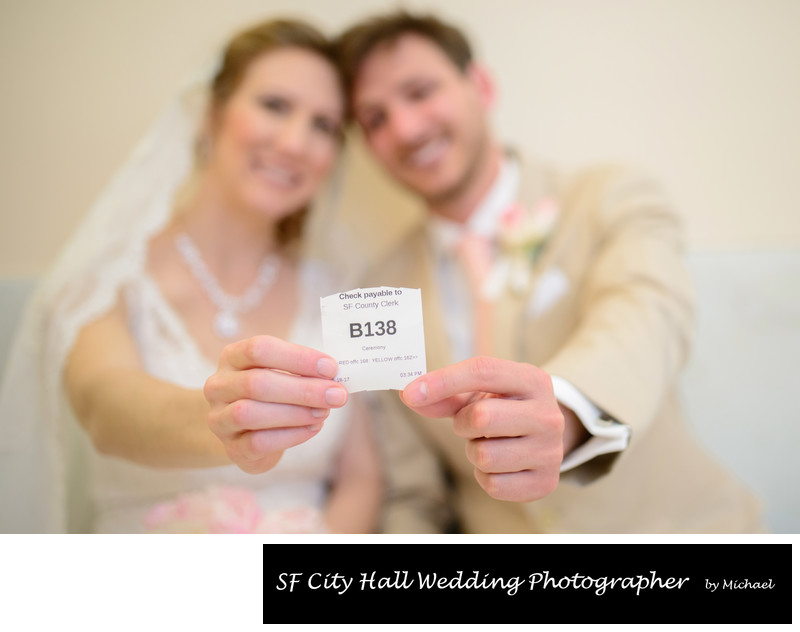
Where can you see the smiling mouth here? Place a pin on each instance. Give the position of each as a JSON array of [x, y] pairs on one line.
[[277, 175], [427, 154]]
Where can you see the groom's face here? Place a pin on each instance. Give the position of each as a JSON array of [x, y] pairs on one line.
[[422, 117]]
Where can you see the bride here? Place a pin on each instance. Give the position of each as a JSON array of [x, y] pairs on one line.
[[198, 244]]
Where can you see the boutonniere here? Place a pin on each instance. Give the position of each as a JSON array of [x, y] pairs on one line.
[[523, 233]]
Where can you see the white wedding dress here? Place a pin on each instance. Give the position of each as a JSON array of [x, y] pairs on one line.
[[123, 492]]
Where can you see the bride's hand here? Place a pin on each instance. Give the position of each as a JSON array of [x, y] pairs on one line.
[[269, 395]]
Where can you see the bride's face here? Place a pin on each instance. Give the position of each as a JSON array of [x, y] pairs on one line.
[[278, 135]]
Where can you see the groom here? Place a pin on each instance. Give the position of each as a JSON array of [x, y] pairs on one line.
[[558, 314], [556, 360]]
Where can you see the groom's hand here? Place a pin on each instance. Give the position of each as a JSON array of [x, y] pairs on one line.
[[508, 415], [269, 395]]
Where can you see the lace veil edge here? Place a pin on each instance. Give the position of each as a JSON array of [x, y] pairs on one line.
[[107, 249]]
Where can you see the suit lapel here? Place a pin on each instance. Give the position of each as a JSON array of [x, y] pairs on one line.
[[420, 273], [510, 306]]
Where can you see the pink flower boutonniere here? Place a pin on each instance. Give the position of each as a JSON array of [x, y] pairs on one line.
[[523, 234]]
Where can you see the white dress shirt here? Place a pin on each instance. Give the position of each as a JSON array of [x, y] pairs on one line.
[[607, 436]]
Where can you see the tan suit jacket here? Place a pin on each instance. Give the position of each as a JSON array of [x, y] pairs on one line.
[[620, 334]]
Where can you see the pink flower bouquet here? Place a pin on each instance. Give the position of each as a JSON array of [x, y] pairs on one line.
[[228, 510]]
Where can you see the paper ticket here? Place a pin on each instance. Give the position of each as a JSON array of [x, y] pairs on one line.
[[376, 335]]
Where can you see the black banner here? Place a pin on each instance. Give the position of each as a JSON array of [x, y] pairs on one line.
[[528, 583]]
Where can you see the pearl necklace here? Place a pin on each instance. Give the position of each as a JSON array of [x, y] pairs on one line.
[[226, 322]]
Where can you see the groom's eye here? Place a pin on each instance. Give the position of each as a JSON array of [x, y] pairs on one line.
[[372, 120], [421, 91]]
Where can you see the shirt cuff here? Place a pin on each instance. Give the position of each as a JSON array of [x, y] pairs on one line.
[[608, 435]]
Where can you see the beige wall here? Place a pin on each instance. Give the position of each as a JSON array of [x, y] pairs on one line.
[[703, 93]]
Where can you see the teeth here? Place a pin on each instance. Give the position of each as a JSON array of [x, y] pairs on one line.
[[281, 175], [278, 175], [428, 153]]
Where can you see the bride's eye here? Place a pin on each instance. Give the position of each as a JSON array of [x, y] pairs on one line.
[[275, 104], [327, 126]]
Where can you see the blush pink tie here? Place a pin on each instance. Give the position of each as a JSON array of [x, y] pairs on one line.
[[475, 254]]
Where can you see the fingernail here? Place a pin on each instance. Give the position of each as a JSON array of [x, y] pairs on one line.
[[315, 427], [335, 396], [416, 394], [326, 367], [319, 413]]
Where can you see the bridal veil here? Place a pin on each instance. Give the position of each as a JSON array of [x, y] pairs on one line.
[[107, 249]]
